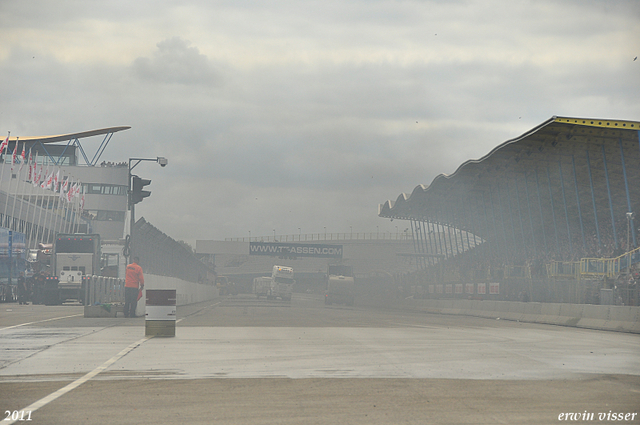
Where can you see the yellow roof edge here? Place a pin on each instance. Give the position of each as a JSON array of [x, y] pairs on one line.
[[596, 122]]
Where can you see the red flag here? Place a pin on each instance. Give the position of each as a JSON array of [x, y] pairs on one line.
[[15, 153], [23, 157], [4, 144]]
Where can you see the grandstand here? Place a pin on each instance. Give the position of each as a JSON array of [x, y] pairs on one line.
[[554, 208]]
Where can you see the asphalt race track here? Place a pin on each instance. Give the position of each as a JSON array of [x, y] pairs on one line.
[[242, 360]]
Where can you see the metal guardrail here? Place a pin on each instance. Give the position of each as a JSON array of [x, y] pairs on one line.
[[565, 269], [100, 290], [347, 236], [608, 267]]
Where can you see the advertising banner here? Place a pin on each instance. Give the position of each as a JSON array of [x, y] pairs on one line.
[[286, 249]]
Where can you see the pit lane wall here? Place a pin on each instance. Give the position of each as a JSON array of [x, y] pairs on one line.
[[186, 292], [111, 291], [602, 317]]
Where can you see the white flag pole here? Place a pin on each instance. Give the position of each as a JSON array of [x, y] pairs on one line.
[[5, 219], [15, 197]]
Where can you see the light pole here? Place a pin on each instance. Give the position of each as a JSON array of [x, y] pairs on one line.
[[133, 162]]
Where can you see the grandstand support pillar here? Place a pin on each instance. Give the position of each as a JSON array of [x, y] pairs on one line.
[[566, 211], [460, 244], [420, 260], [544, 234], [626, 187], [434, 241], [429, 249], [495, 226], [416, 249], [421, 246], [433, 248], [504, 227], [553, 211], [593, 200], [418, 237], [463, 208], [493, 242], [443, 241], [513, 226], [455, 234], [477, 223], [533, 235], [613, 219], [448, 246], [425, 248], [575, 180], [524, 241], [444, 236]]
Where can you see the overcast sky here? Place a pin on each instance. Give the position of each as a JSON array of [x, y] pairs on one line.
[[297, 116]]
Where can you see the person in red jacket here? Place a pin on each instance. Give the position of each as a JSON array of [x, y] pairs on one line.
[[133, 283]]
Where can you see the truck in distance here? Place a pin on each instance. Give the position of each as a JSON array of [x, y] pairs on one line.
[[340, 285], [226, 286], [262, 286], [282, 283], [75, 258]]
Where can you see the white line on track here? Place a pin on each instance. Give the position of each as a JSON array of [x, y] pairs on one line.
[[39, 321], [75, 384]]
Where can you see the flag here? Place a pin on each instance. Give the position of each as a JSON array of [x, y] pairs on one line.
[[23, 158], [4, 144], [37, 172], [35, 178], [76, 190], [70, 192], [55, 181], [46, 181], [15, 153], [63, 188]]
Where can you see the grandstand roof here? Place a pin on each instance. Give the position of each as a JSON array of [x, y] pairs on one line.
[[541, 186], [71, 139], [70, 136]]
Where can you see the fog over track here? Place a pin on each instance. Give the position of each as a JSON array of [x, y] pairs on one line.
[[239, 359]]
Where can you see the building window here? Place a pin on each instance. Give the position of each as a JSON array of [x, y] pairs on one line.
[[103, 215], [104, 189]]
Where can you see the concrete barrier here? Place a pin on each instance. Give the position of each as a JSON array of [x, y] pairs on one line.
[[186, 292], [602, 317]]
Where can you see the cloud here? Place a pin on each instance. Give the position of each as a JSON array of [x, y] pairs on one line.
[[321, 110], [176, 63]]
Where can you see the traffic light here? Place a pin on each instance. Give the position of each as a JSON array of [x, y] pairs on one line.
[[137, 194]]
